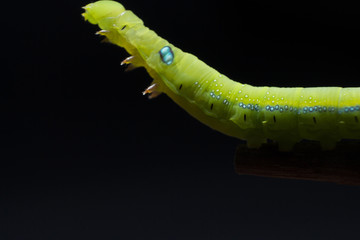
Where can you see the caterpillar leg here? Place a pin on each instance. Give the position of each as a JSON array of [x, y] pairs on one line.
[[103, 33], [131, 62], [127, 60], [153, 90]]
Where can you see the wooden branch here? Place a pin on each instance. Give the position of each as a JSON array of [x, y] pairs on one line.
[[307, 161]]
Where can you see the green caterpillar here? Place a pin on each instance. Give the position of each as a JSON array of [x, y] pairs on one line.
[[254, 114]]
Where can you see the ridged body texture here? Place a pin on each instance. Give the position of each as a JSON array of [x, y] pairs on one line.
[[255, 114]]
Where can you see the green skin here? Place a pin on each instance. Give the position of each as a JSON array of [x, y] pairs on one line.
[[254, 114]]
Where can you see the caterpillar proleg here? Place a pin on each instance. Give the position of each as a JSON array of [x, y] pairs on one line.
[[254, 114]]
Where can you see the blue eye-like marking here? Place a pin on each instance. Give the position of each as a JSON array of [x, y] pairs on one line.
[[167, 55]]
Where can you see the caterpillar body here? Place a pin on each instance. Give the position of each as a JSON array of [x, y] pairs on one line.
[[254, 114]]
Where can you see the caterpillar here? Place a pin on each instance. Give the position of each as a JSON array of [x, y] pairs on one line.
[[254, 114]]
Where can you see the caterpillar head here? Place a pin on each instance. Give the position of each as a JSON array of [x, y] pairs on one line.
[[123, 28], [97, 11]]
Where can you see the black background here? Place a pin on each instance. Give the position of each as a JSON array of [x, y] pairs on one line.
[[85, 156]]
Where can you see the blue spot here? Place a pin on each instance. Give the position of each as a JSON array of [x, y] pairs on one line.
[[167, 55], [249, 106], [315, 108], [357, 108], [324, 108], [305, 109], [291, 108], [240, 104], [271, 109], [311, 109], [286, 107], [267, 107], [277, 107], [352, 109], [346, 109], [281, 109]]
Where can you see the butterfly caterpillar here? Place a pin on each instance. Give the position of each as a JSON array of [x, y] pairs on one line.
[[254, 114]]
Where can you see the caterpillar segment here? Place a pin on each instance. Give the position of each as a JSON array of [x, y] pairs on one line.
[[254, 114]]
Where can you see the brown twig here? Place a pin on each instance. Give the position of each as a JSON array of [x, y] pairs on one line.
[[307, 161]]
